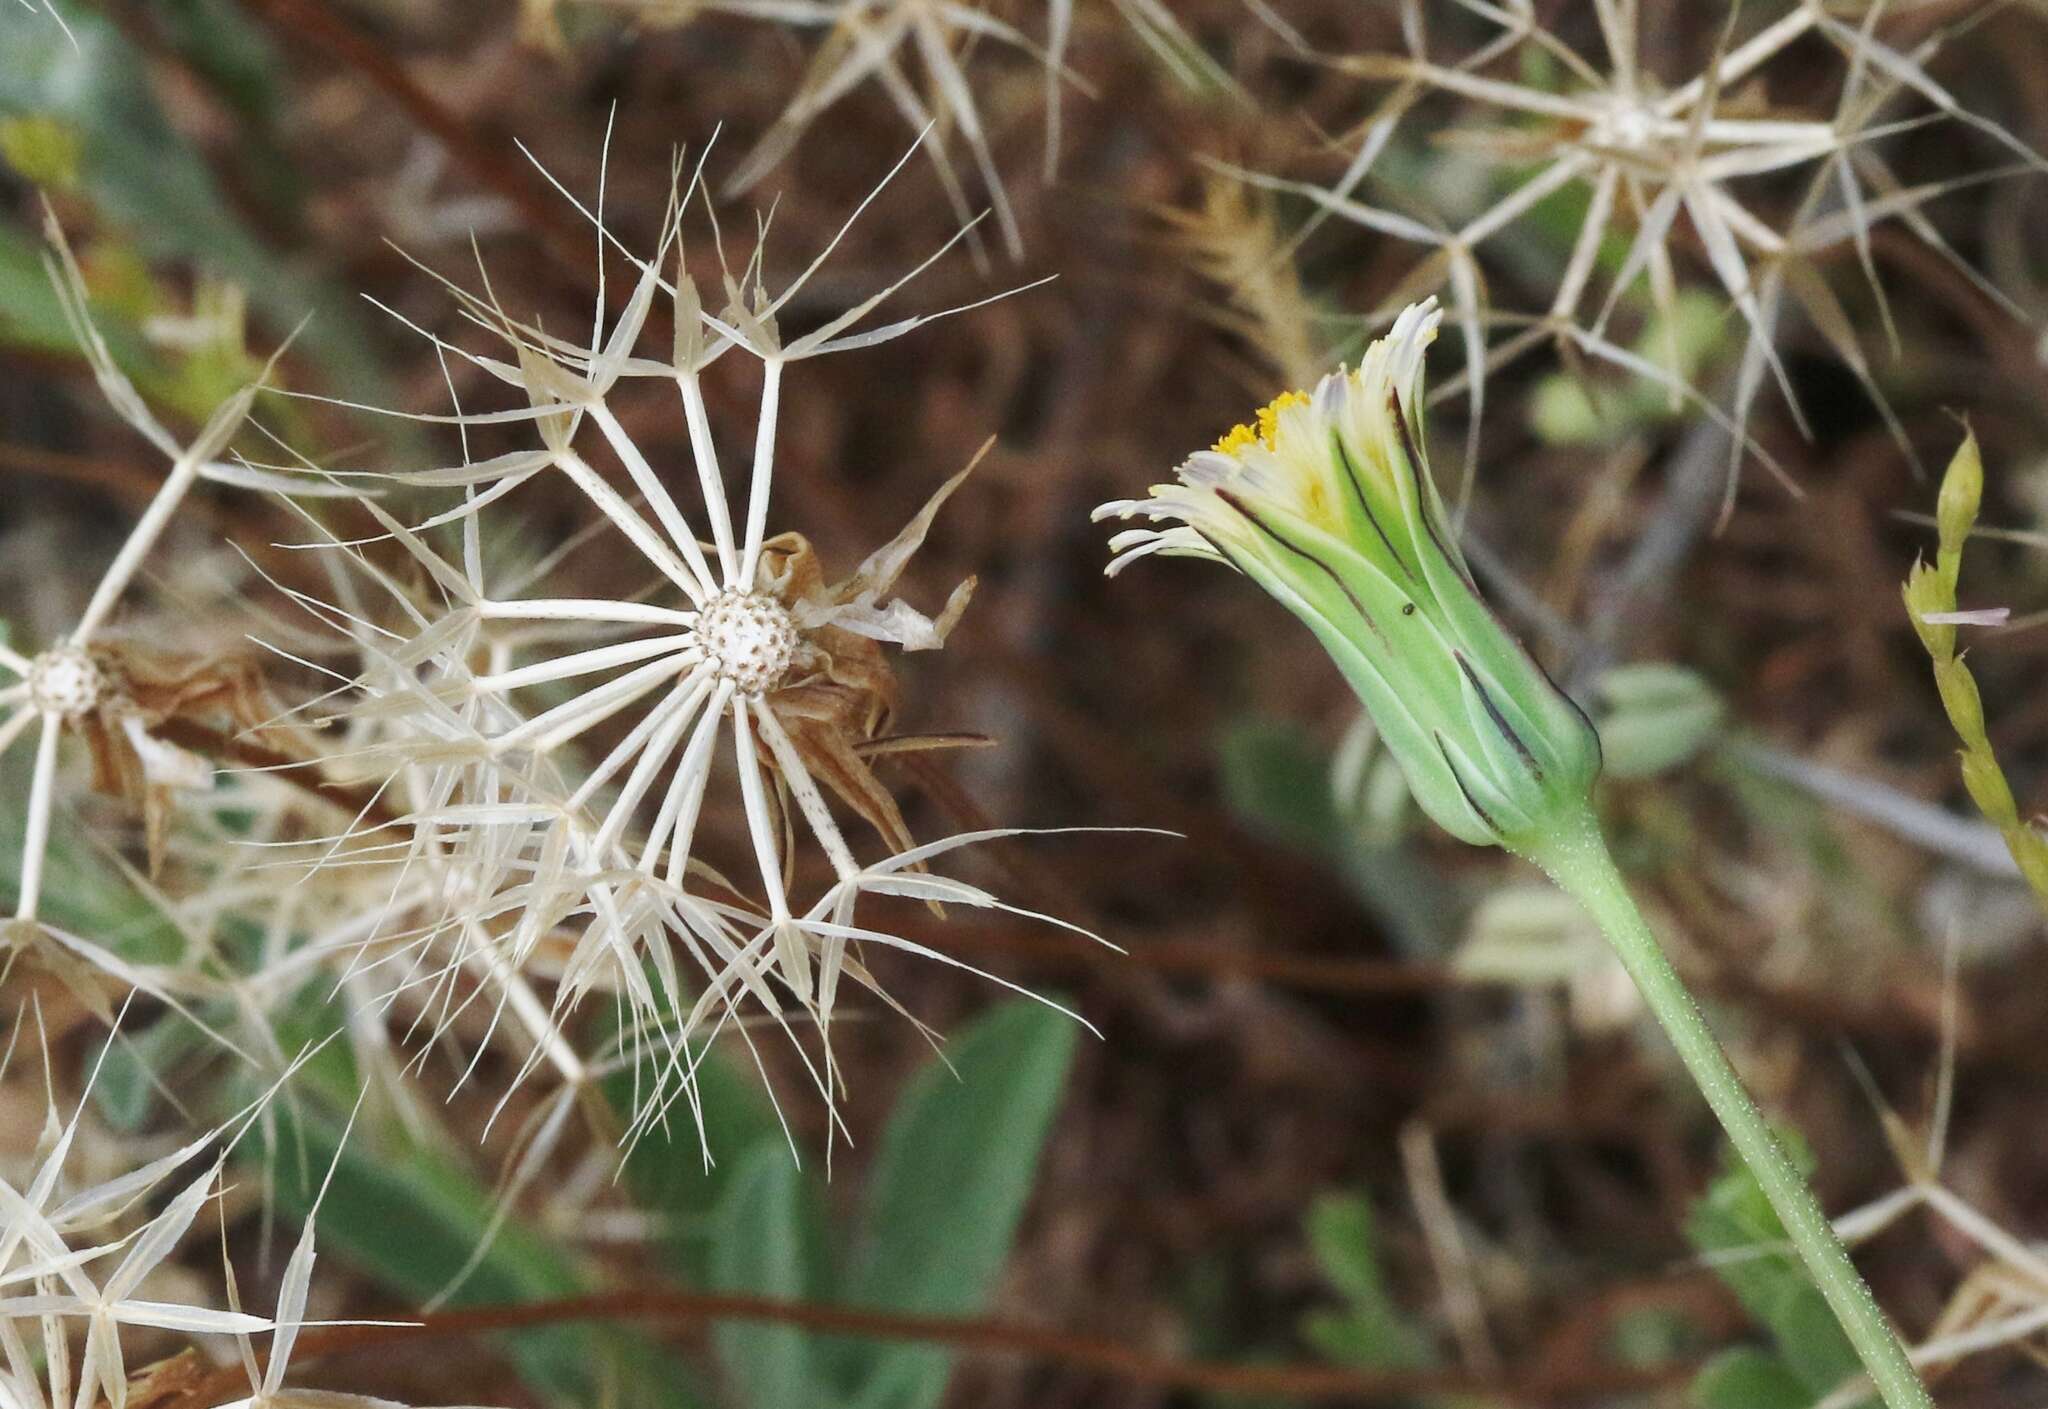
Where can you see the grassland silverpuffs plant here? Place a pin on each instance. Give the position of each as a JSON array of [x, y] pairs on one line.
[[512, 807]]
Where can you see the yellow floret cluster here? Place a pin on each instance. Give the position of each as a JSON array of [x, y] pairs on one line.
[[1267, 426]]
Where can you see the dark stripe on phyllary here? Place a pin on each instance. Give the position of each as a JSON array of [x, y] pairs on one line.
[[1599, 748], [1365, 506], [1342, 586], [1507, 730], [1423, 497], [1463, 791]]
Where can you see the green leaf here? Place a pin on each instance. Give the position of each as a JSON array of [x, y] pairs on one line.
[[224, 45], [411, 1218], [1747, 1378], [1734, 1223], [768, 1239], [666, 1171], [1277, 782], [138, 1069], [948, 1189], [142, 174], [1343, 1236], [82, 891], [1370, 1331]]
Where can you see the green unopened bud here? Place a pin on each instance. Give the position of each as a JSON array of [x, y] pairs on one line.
[[1959, 697], [1955, 512], [1988, 788], [1327, 503], [1927, 594]]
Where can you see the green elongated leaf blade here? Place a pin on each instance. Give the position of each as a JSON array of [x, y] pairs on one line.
[[142, 173], [1371, 1331], [768, 1239], [1277, 781], [1747, 1378], [82, 891], [223, 42], [667, 1172], [948, 1189], [1734, 1220], [1343, 1234], [138, 1068], [410, 1218]]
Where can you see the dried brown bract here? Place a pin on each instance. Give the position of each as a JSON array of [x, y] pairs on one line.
[[141, 691]]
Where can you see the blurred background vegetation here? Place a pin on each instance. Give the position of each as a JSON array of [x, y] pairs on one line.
[[1365, 1100]]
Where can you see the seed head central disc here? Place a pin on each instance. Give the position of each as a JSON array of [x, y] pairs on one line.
[[1628, 124], [749, 639], [64, 681]]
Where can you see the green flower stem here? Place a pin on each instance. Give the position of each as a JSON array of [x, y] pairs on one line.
[[1577, 859]]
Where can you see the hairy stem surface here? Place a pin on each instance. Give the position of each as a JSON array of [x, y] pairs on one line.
[[1578, 860]]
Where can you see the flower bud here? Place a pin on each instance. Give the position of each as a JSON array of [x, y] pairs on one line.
[[1327, 503], [1955, 511]]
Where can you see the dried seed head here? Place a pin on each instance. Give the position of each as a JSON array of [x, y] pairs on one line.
[[585, 844], [65, 681], [748, 638]]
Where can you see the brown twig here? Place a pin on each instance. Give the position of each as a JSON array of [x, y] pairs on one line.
[[364, 803], [675, 1310], [125, 480], [1810, 1009]]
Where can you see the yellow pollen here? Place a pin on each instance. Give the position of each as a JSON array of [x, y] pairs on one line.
[[1268, 424]]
